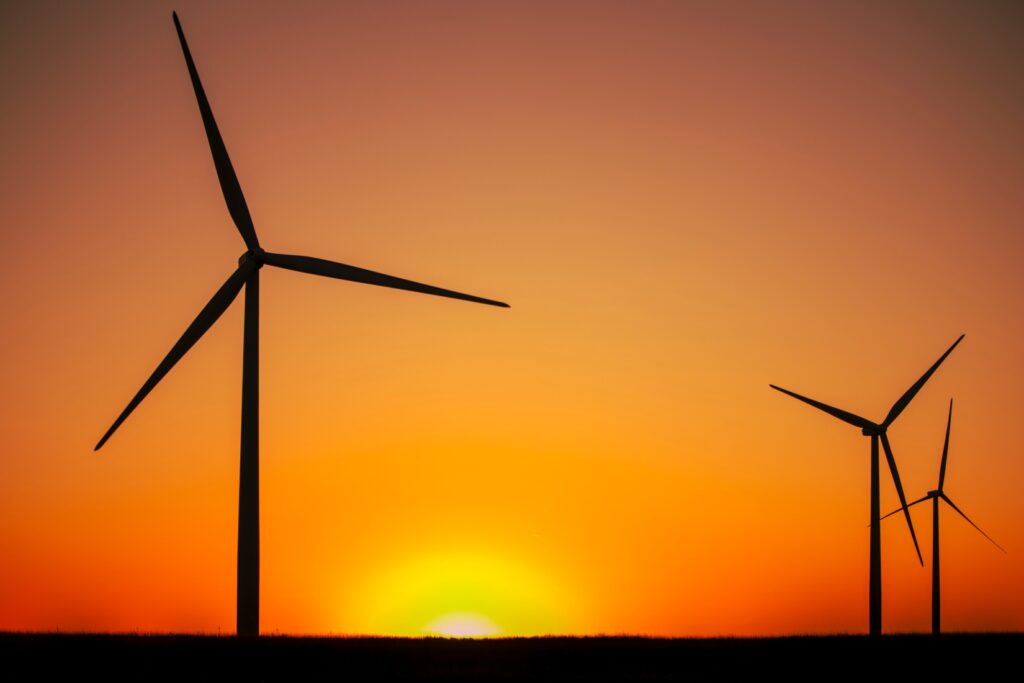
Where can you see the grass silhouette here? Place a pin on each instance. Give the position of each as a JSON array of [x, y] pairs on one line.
[[601, 658]]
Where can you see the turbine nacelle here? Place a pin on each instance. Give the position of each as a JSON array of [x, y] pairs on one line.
[[937, 493], [876, 430]]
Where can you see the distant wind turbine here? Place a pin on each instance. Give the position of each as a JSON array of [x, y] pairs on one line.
[[877, 432], [935, 496], [247, 274]]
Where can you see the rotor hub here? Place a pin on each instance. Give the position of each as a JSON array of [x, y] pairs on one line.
[[254, 255]]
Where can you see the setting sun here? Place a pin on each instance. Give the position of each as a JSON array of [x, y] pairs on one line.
[[462, 625]]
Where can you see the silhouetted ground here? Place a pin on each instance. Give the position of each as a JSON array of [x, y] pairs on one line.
[[43, 656]]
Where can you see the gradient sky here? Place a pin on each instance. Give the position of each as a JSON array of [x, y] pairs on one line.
[[682, 201]]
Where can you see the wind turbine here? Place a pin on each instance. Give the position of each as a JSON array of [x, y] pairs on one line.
[[247, 275], [935, 496], [877, 432]]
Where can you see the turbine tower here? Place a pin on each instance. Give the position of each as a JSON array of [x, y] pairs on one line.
[[877, 432], [247, 275], [935, 496]]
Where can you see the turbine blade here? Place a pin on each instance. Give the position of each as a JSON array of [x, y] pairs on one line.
[[899, 490], [908, 396], [919, 500], [315, 266], [953, 505], [206, 318], [945, 446], [850, 418], [225, 172]]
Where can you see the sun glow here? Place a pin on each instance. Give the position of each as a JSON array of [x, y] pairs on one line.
[[462, 625], [449, 593]]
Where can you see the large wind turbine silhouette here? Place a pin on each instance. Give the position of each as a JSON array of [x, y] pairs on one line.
[[877, 432], [247, 275], [935, 496]]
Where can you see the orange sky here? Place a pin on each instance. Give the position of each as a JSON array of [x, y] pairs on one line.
[[682, 202]]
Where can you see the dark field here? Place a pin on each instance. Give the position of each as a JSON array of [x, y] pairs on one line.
[[979, 657]]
